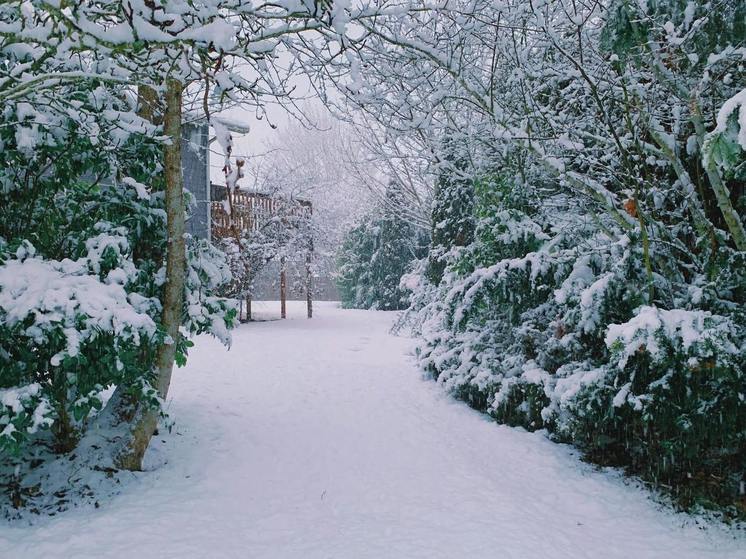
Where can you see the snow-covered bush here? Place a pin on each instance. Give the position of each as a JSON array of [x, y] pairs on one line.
[[669, 403], [69, 333], [23, 410], [547, 326], [208, 272], [82, 270], [453, 218], [587, 172], [74, 327]]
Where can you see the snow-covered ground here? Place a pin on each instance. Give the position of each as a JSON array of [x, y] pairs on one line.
[[320, 439]]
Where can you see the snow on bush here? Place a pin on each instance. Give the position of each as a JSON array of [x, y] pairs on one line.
[[72, 327], [548, 328], [43, 299], [725, 144], [207, 272], [697, 334], [23, 411], [376, 254], [662, 391], [56, 318], [82, 267]]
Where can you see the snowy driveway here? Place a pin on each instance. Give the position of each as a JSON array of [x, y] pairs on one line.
[[319, 439]]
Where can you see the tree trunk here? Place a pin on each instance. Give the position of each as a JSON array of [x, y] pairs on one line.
[[144, 421], [283, 288], [147, 104], [722, 195]]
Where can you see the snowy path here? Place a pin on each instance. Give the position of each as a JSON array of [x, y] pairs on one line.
[[319, 439]]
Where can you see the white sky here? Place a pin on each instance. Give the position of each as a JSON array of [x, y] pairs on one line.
[[262, 135], [251, 145]]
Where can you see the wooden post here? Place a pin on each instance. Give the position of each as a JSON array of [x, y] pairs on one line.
[[283, 289], [309, 284], [309, 271]]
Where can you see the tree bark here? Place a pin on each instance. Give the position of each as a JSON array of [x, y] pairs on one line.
[[144, 421], [147, 103], [722, 195], [283, 288]]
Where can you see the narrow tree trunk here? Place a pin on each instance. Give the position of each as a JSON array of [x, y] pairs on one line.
[[173, 294], [145, 421], [283, 288], [309, 284], [722, 195], [147, 103]]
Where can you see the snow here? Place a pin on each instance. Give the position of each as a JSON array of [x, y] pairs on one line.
[[688, 327], [320, 439], [23, 399], [59, 293], [567, 387], [142, 190], [689, 11], [222, 135], [219, 32], [728, 108]]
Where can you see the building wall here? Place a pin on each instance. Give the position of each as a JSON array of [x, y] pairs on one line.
[[195, 164]]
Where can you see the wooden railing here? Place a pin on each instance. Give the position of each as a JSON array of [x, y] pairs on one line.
[[233, 214], [251, 211]]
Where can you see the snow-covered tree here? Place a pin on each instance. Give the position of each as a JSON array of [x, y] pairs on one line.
[[183, 59], [83, 240], [602, 144], [376, 254]]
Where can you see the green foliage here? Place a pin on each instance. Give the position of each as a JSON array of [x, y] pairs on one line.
[[353, 278], [504, 227], [452, 213], [82, 224], [375, 255], [94, 248], [549, 328], [24, 410], [670, 404], [629, 27], [723, 149]]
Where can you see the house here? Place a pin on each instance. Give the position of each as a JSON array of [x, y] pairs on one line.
[[249, 210]]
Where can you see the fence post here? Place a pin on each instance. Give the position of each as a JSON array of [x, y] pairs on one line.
[[309, 285], [283, 289]]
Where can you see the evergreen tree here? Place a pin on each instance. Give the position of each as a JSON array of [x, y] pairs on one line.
[[452, 214], [376, 254]]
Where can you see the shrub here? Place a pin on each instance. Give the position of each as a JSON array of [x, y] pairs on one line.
[[552, 328], [82, 245]]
